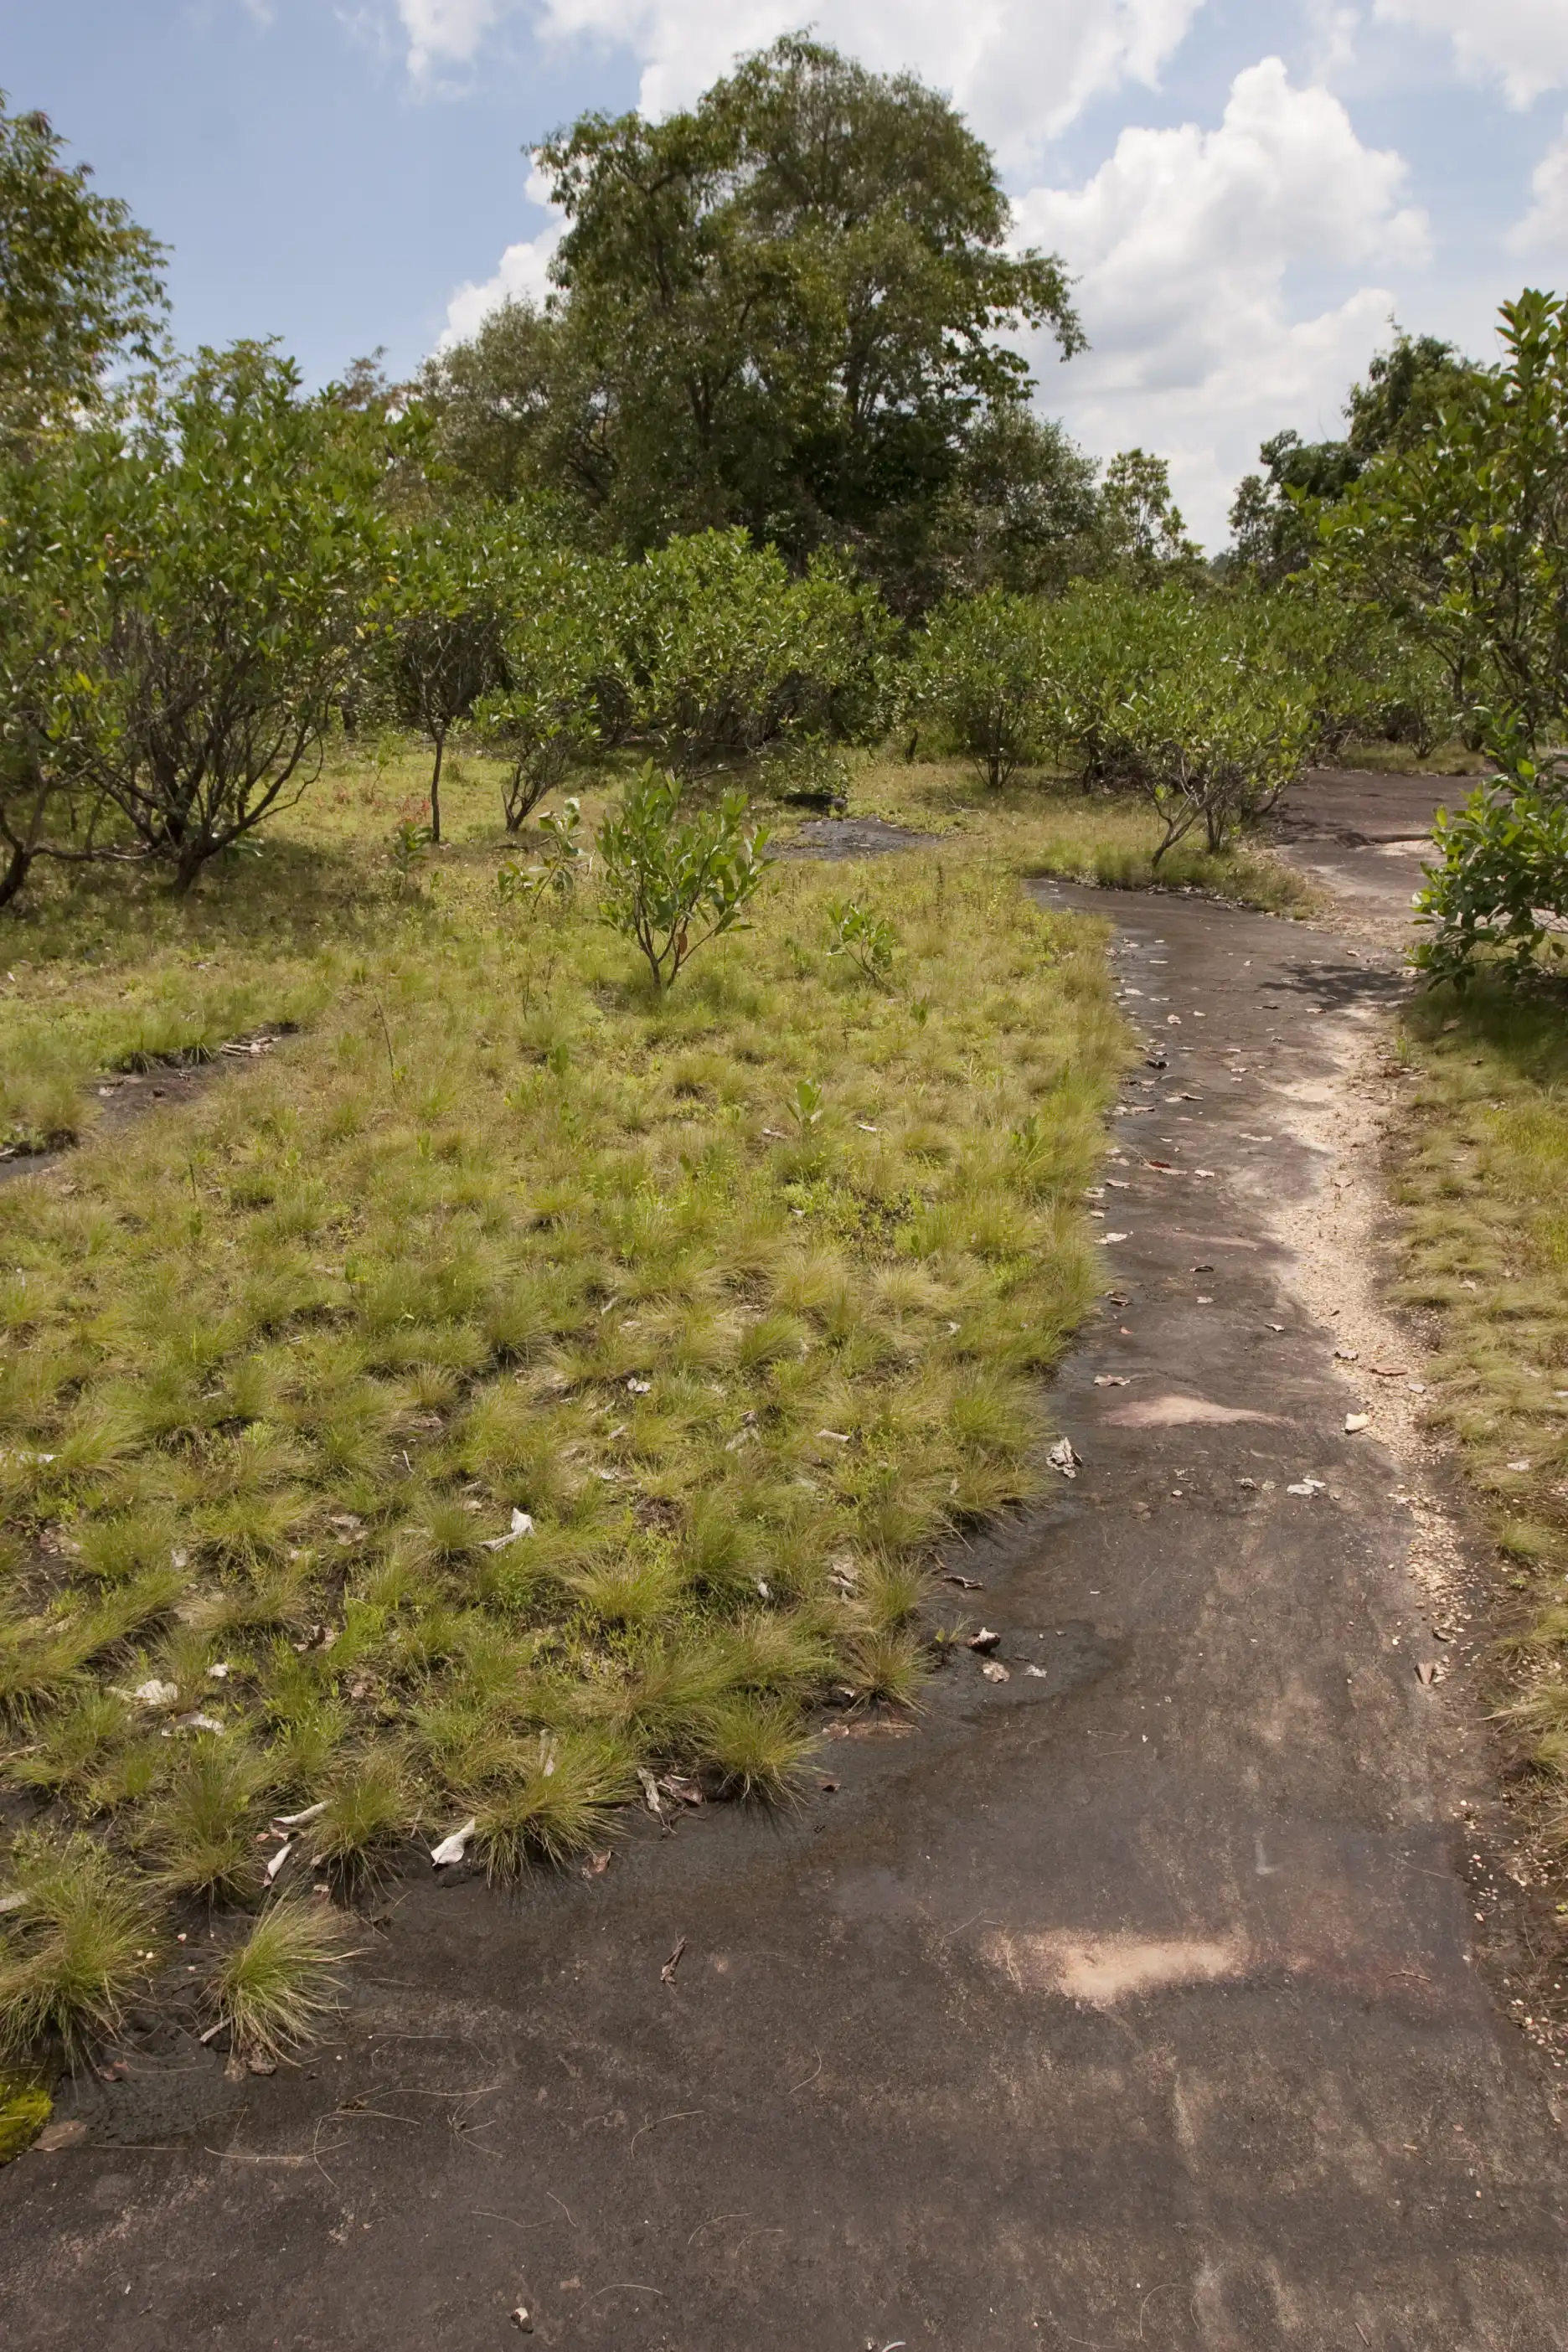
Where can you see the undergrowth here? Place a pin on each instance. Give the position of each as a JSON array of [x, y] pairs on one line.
[[513, 1383]]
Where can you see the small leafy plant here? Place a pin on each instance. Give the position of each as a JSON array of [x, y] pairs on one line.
[[867, 940], [672, 885], [560, 862], [410, 840]]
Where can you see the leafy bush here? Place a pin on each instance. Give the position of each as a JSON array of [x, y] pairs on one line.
[[557, 649], [726, 652], [983, 668], [441, 628], [671, 887], [1500, 886], [867, 940], [246, 531]]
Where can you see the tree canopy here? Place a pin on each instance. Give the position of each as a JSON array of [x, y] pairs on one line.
[[1274, 516], [783, 308], [79, 283]]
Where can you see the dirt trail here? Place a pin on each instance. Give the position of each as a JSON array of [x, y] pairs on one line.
[[1129, 2001]]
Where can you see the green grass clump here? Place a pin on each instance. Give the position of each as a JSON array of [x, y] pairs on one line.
[[80, 1944], [201, 1837], [756, 1748], [558, 1800], [365, 1817], [274, 1987]]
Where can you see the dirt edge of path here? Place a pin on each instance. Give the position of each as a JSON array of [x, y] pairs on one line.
[[1344, 1239]]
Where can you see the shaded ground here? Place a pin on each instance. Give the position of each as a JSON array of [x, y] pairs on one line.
[[1129, 2000]]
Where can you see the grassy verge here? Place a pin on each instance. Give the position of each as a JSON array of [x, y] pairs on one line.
[[1043, 825], [513, 1387], [1482, 1177]]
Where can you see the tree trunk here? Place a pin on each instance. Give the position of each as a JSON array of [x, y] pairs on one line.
[[192, 858], [15, 874], [436, 790]]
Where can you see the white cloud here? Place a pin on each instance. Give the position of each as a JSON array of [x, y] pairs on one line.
[[1546, 222], [446, 32], [1021, 69], [1523, 44], [524, 274], [1183, 241]]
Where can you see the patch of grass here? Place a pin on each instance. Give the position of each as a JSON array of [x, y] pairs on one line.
[[201, 1837], [275, 1987], [1482, 1176], [718, 1290], [365, 1817], [25, 2108], [80, 1943], [1046, 825], [1450, 759]]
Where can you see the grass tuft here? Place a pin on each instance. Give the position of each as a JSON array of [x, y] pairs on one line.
[[274, 1989], [82, 1943], [559, 1800], [756, 1748]]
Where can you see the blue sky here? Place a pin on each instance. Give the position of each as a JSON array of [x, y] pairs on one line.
[[1246, 189]]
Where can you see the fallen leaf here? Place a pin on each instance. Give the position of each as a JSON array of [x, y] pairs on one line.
[[1115, 1237], [597, 1865], [1112, 1380], [994, 1672], [1306, 1487], [828, 1788], [649, 1787], [1063, 1457], [1425, 1674], [1040, 1673], [1518, 1466], [297, 1820], [278, 1859], [57, 2136], [984, 1639], [838, 1435], [1347, 1355], [522, 1524], [155, 1693], [639, 1388], [666, 1974], [453, 1848], [677, 1784], [964, 1583]]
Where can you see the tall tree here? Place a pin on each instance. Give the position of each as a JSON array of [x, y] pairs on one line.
[[79, 282], [784, 308]]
